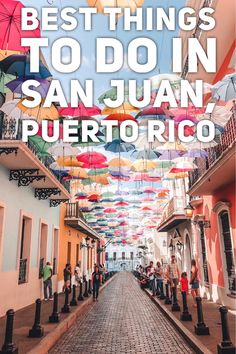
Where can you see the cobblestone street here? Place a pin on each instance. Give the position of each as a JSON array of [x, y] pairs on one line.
[[124, 320]]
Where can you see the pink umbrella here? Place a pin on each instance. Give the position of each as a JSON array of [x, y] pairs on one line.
[[192, 110], [11, 32], [81, 110], [153, 111], [91, 158], [110, 210], [179, 118], [121, 204]]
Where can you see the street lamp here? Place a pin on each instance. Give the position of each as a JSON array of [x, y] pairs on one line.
[[188, 211]]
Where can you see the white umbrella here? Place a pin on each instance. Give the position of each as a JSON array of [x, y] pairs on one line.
[[11, 110], [220, 115], [63, 149], [172, 78], [226, 88]]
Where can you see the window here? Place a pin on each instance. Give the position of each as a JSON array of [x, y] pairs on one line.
[[106, 256], [123, 255], [25, 244], [55, 250], [203, 249], [228, 249], [114, 256], [43, 247], [77, 254], [132, 255], [68, 252]]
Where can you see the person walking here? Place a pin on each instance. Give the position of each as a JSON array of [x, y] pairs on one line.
[[194, 281], [47, 281], [96, 282], [173, 273], [67, 277], [158, 273]]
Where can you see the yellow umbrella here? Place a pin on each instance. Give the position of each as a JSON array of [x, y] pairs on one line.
[[70, 161], [177, 175], [78, 172], [143, 165], [100, 4], [125, 108], [173, 146], [6, 53], [39, 112], [119, 162]]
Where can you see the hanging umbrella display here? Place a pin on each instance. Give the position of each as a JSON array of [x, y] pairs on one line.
[[63, 149], [125, 108], [11, 29], [6, 53], [50, 130], [143, 165], [120, 117], [11, 109], [4, 80], [78, 172], [19, 65], [112, 94], [69, 161], [91, 158], [79, 111], [145, 154], [226, 88], [16, 85], [39, 112], [40, 146], [118, 146]]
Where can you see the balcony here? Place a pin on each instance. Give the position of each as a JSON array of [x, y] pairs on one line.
[[218, 169], [75, 219], [27, 167], [173, 214]]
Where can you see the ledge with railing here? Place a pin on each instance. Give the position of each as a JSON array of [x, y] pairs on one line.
[[10, 129], [73, 211], [175, 206], [226, 140]]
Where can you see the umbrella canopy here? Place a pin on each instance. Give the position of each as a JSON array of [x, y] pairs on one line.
[[11, 109], [11, 31], [19, 65], [79, 111], [143, 165], [63, 149], [69, 161], [118, 146], [41, 146], [4, 80], [122, 162], [112, 94], [6, 53], [92, 158], [125, 108], [39, 112], [16, 85], [78, 172], [226, 88], [120, 117], [172, 78]]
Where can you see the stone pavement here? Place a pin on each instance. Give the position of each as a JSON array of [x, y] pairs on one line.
[[124, 320]]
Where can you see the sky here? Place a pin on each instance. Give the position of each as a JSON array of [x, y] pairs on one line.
[[87, 41]]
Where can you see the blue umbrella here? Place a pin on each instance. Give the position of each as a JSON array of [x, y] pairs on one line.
[[19, 65], [16, 85], [118, 146]]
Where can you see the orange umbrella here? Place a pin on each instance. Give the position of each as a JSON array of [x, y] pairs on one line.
[[100, 4], [70, 161], [78, 172], [39, 112], [125, 108], [121, 117]]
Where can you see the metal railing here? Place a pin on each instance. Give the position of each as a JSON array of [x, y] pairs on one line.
[[175, 206], [22, 271], [226, 140], [73, 211], [10, 129]]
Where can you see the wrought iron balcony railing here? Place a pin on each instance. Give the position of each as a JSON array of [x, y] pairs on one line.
[[10, 129], [226, 141], [175, 206]]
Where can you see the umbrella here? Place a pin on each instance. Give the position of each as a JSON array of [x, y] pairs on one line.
[[78, 172], [11, 109], [50, 130], [226, 88], [11, 31], [41, 146], [196, 153], [143, 165], [125, 108], [80, 110], [69, 161], [146, 154], [39, 112], [220, 115], [100, 4], [119, 162], [63, 149], [172, 78], [112, 94], [19, 65], [160, 113], [120, 117], [4, 79], [118, 146], [92, 158], [6, 53], [16, 85], [100, 171], [101, 179]]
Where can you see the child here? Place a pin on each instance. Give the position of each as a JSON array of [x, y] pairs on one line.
[[184, 282]]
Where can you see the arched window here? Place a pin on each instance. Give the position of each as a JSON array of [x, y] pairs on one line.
[[228, 249]]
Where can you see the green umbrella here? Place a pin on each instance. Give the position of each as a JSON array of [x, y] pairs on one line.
[[4, 79], [112, 94], [40, 145], [98, 171]]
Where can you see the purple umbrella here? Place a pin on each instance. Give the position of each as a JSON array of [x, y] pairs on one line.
[[16, 85]]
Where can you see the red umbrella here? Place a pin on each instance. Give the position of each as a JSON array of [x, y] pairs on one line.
[[91, 158], [50, 127], [11, 32], [81, 110], [95, 165], [121, 204], [120, 117], [110, 210]]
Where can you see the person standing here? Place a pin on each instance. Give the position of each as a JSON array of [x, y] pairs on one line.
[[158, 272], [194, 281], [78, 274], [173, 273], [96, 282], [67, 277], [184, 283], [150, 274], [47, 281]]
